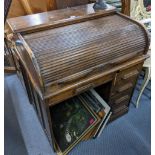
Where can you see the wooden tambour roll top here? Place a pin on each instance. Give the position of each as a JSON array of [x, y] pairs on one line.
[[65, 55]]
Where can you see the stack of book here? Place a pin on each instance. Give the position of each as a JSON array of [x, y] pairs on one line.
[[79, 118]]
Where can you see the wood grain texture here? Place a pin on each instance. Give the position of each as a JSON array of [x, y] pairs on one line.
[[69, 57], [21, 7], [126, 7], [54, 49], [16, 9], [69, 53], [20, 24], [26, 7]]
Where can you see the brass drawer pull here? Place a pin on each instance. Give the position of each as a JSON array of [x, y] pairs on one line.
[[131, 74], [125, 87], [124, 98], [84, 88]]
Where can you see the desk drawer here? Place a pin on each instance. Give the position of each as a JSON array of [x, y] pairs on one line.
[[78, 88], [129, 72], [123, 87], [120, 98], [126, 79], [119, 109], [119, 113]]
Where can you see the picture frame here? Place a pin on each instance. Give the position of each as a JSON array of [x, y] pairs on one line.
[[70, 136]]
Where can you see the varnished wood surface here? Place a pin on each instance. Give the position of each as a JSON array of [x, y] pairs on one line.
[[66, 55], [25, 7], [72, 52], [96, 80], [16, 9], [24, 23], [126, 7], [22, 58]]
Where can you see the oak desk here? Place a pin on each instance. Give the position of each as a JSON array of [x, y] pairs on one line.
[[63, 53]]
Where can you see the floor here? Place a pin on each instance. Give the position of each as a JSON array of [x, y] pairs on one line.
[[128, 135]]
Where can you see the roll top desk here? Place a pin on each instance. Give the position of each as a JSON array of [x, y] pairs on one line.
[[63, 53]]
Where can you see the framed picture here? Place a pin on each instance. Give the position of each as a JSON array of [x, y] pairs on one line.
[[97, 104], [71, 121]]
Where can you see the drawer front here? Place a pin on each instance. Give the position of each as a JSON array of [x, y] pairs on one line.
[[123, 103], [123, 100], [77, 89], [119, 103], [123, 86], [126, 79], [118, 109], [120, 98], [119, 113], [129, 72], [122, 89]]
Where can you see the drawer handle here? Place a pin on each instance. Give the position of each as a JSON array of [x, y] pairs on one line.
[[84, 88], [124, 98], [125, 87], [131, 74]]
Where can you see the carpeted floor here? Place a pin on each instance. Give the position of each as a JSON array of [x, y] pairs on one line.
[[128, 135]]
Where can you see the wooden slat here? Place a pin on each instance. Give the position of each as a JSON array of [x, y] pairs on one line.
[[69, 50]]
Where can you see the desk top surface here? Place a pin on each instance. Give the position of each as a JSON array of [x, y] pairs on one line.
[[24, 23]]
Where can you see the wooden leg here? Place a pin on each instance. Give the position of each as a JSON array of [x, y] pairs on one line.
[[144, 84]]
